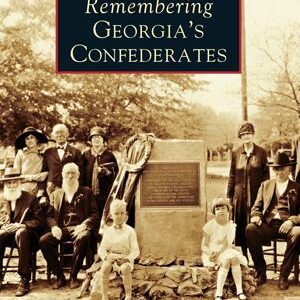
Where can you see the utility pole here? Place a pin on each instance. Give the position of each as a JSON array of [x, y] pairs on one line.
[[244, 68]]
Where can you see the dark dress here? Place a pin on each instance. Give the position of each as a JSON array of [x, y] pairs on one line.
[[245, 178], [104, 181]]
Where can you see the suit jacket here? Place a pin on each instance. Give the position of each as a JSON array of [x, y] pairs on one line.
[[266, 191], [295, 156], [33, 216], [54, 165], [85, 208]]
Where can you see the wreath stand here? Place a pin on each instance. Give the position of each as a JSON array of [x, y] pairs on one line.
[[136, 153]]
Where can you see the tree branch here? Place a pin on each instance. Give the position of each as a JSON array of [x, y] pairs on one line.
[[277, 92], [264, 104]]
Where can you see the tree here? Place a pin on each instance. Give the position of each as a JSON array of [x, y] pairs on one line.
[[280, 103], [31, 94]]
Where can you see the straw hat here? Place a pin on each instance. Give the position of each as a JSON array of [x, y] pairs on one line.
[[11, 174]]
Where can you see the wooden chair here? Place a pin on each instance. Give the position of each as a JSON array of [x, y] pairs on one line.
[[65, 253], [13, 263], [63, 256], [277, 258]]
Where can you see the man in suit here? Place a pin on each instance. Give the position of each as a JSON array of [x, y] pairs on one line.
[[295, 157], [72, 215], [276, 214], [57, 157], [22, 226]]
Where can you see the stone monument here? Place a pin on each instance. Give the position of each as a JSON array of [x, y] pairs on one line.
[[170, 207], [170, 211]]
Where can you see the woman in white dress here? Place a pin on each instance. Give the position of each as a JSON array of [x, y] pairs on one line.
[[218, 250]]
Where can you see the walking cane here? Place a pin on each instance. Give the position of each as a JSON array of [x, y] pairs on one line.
[[11, 249]]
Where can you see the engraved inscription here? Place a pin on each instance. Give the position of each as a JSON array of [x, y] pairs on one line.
[[170, 184]]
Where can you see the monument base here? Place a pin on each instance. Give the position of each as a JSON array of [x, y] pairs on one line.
[[173, 282]]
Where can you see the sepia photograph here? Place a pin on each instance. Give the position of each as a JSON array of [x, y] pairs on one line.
[[150, 185]]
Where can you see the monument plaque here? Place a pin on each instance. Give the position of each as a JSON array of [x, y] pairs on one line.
[[170, 184]]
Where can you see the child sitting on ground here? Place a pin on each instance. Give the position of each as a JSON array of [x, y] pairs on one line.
[[118, 250], [218, 250]]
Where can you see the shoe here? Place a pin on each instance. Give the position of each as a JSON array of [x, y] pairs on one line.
[[23, 287], [283, 283], [261, 279], [241, 296], [74, 283], [60, 282]]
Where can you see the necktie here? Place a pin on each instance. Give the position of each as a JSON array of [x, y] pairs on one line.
[[95, 182]]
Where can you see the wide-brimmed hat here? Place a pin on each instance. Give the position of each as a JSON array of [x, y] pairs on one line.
[[11, 174], [97, 131], [20, 140], [246, 128], [280, 159]]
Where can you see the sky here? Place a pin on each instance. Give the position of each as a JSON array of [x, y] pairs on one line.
[[266, 22]]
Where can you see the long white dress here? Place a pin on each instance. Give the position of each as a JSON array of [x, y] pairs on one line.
[[218, 236]]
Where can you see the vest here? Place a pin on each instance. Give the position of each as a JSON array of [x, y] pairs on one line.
[[279, 204]]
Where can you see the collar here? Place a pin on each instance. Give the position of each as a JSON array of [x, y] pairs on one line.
[[97, 153], [63, 147], [118, 226], [281, 184], [281, 187], [13, 205], [69, 197], [245, 152], [28, 151]]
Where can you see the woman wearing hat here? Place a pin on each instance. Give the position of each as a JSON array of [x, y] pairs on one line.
[[100, 167], [247, 171], [29, 160]]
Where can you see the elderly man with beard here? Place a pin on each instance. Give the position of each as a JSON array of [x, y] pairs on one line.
[[22, 226], [73, 216]]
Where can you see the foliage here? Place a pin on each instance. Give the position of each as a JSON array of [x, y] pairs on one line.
[[31, 94]]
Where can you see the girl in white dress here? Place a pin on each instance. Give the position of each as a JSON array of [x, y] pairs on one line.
[[218, 250]]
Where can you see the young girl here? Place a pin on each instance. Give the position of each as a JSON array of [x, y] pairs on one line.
[[118, 249], [217, 248]]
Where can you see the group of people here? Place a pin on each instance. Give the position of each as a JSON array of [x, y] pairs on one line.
[[257, 209], [41, 170], [58, 195]]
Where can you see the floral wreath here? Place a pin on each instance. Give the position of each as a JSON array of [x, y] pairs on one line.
[[147, 140]]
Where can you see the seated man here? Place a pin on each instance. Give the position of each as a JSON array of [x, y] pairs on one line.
[[274, 214], [22, 226], [72, 215]]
